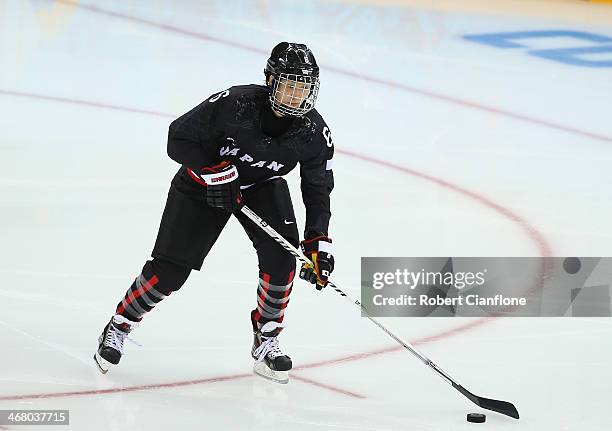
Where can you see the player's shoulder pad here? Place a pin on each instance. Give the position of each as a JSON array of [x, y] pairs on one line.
[[322, 135], [236, 92], [238, 97]]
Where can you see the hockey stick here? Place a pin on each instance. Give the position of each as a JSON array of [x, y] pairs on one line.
[[502, 407]]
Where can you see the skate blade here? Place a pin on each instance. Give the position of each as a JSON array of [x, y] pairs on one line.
[[261, 369], [103, 365]]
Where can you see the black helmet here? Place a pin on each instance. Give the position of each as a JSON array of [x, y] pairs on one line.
[[295, 78]]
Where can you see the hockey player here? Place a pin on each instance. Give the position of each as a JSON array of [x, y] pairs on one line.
[[234, 149]]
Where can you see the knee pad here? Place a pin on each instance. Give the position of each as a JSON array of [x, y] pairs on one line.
[[277, 262], [171, 276]]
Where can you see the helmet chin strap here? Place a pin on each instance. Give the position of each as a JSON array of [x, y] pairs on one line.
[[278, 114]]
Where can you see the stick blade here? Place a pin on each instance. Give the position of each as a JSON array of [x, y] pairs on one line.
[[503, 407]]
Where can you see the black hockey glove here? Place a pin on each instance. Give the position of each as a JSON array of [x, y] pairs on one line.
[[318, 249], [223, 187]]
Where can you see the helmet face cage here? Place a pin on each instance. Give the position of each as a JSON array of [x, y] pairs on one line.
[[292, 94]]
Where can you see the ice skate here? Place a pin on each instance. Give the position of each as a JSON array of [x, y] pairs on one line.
[[110, 342], [270, 361]]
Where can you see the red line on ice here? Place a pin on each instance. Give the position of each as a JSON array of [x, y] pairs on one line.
[[388, 83], [543, 246], [326, 386], [343, 359], [395, 348], [124, 389], [178, 384], [83, 102]]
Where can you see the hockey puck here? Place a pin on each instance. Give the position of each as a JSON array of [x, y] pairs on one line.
[[571, 265], [476, 418]]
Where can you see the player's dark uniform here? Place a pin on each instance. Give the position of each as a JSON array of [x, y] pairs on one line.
[[231, 125], [238, 126], [234, 150]]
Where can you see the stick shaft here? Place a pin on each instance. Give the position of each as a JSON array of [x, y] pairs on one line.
[[502, 407], [303, 259]]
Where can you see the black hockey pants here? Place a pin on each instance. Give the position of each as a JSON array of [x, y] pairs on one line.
[[188, 230]]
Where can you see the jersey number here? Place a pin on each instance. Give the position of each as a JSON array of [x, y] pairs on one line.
[[327, 136], [219, 96]]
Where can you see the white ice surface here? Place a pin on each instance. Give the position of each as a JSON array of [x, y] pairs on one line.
[[82, 188]]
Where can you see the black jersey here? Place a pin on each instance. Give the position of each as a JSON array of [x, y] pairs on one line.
[[234, 126]]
